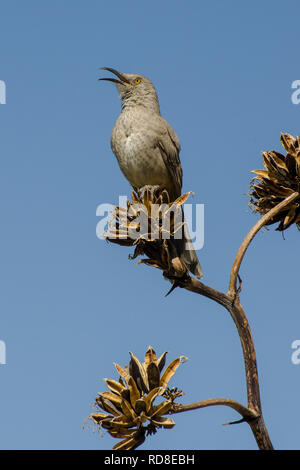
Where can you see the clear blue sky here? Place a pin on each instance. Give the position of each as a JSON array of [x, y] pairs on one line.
[[71, 304]]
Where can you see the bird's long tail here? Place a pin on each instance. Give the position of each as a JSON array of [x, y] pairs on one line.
[[188, 256], [187, 253]]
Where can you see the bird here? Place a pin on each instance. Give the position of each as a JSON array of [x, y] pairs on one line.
[[147, 148]]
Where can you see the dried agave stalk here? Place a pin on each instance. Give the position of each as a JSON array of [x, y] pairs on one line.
[[279, 179], [152, 224], [129, 410]]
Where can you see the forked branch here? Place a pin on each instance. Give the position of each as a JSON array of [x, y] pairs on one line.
[[276, 196], [249, 237], [232, 303]]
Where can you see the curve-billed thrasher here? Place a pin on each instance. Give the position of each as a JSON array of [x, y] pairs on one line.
[[147, 148]]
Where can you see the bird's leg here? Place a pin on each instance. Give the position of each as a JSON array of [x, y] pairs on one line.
[[148, 188]]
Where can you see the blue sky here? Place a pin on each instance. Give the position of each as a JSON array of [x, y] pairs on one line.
[[71, 304]]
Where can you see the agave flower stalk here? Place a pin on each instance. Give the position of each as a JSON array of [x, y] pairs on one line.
[[275, 194]]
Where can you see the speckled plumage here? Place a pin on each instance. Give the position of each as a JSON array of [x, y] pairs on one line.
[[146, 146]]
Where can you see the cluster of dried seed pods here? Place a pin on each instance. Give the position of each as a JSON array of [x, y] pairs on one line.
[[130, 412], [279, 179], [151, 224]]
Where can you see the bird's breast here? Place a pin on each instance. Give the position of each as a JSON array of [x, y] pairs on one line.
[[135, 147]]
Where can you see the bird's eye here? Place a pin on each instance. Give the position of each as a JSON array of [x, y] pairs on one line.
[[137, 81]]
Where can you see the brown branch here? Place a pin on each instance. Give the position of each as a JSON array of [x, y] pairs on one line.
[[198, 287], [232, 303], [246, 413], [238, 315], [252, 417], [249, 237]]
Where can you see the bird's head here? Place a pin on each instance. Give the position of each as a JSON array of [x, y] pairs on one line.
[[134, 89]]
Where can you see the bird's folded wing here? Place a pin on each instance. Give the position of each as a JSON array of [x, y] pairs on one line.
[[169, 147]]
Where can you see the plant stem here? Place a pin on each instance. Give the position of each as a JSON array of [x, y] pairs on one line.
[[249, 237], [237, 313], [232, 303], [245, 412]]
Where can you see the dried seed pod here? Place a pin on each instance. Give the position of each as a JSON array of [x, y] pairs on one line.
[[153, 375]]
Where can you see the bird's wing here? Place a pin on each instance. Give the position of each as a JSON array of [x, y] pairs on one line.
[[169, 146]]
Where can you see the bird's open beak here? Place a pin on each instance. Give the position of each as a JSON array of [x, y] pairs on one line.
[[122, 81]]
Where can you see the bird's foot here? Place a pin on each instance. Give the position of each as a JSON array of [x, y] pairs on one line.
[[151, 190]]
